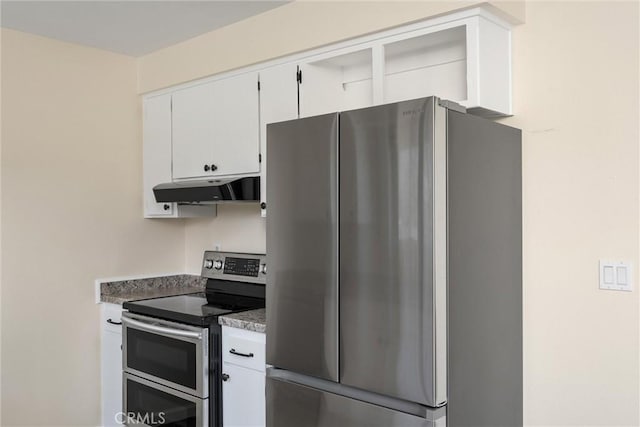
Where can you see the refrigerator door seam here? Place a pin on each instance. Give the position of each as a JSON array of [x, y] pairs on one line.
[[440, 253]]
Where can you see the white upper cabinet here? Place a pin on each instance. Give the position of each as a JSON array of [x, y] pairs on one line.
[[156, 161], [431, 64], [464, 57], [156, 153], [467, 61], [336, 82], [193, 131], [216, 128], [278, 102]]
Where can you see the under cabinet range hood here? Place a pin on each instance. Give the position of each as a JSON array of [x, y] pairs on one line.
[[210, 191]]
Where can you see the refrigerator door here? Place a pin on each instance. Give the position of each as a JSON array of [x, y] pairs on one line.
[[485, 273], [393, 250], [302, 246], [295, 405]]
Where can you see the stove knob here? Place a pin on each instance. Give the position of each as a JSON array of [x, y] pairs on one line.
[[263, 268], [217, 264], [208, 263]]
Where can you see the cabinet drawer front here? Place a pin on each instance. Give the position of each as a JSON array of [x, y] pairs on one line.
[[243, 348], [111, 318]]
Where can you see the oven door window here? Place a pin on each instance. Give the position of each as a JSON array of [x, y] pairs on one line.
[[163, 357], [152, 404]]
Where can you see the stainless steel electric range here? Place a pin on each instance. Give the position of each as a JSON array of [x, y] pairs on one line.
[[171, 349]]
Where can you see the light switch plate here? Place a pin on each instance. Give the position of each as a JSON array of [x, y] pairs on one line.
[[615, 275]]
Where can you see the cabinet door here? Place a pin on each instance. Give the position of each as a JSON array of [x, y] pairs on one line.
[[193, 130], [111, 377], [111, 363], [243, 397], [215, 128], [235, 121], [278, 102], [156, 153]]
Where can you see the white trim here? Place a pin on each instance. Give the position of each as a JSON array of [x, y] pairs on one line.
[[473, 65]]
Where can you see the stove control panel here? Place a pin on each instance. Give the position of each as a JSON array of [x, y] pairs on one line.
[[242, 266], [234, 266]]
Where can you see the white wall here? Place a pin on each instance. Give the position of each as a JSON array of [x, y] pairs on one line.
[[576, 99], [71, 212]]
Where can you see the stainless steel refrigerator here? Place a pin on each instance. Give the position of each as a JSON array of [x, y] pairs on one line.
[[394, 286]]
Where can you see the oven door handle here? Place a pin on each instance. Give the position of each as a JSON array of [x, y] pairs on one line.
[[161, 329]]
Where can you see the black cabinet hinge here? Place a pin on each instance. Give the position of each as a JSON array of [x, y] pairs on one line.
[[259, 158], [258, 84], [299, 77]]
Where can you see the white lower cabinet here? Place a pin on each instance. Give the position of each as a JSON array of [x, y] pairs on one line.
[[111, 363], [243, 387], [243, 397]]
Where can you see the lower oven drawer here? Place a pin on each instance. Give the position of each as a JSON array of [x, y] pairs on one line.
[[168, 353], [150, 404]]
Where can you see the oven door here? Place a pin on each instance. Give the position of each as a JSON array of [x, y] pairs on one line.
[[172, 354], [150, 404]]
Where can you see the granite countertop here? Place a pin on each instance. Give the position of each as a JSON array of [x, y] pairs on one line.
[[252, 320], [118, 292]]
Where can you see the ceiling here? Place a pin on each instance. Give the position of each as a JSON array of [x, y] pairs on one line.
[[132, 28]]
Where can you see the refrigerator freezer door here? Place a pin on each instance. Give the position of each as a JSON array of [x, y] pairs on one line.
[[393, 250], [294, 405], [302, 245]]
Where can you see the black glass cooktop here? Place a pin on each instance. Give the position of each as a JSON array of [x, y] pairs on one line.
[[194, 309]]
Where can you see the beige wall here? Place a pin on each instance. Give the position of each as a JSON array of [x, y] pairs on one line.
[[237, 228], [576, 99], [71, 121], [71, 212]]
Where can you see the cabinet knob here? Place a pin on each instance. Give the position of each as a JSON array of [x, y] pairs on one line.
[[166, 207], [206, 168], [214, 168], [225, 377]]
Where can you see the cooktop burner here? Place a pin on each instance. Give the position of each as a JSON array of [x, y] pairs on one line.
[[236, 282]]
